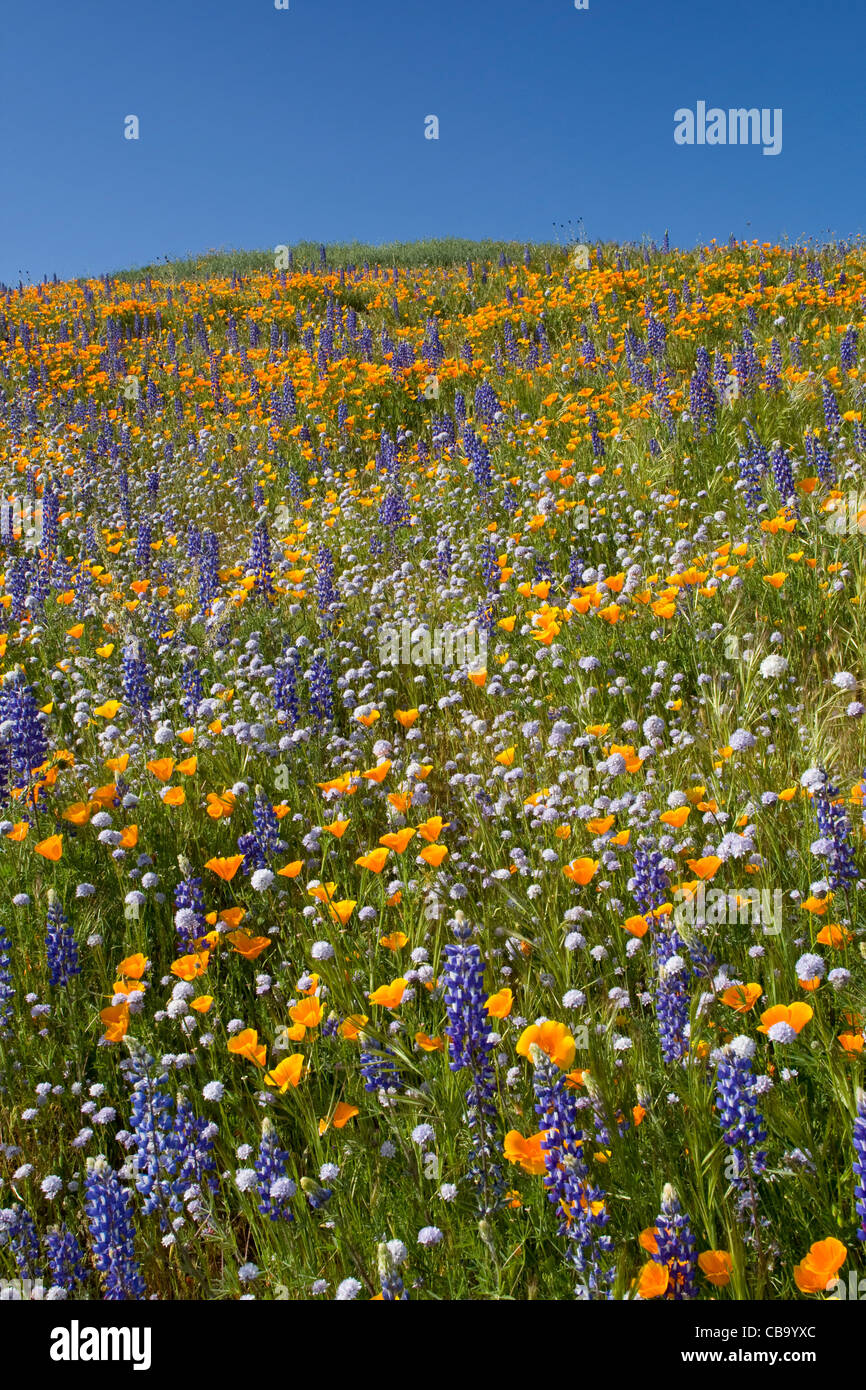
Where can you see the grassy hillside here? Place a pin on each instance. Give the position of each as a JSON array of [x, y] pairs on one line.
[[431, 742]]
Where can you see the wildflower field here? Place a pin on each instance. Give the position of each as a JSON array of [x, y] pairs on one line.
[[431, 744]]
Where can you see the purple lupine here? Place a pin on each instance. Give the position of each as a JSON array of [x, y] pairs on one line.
[[17, 583], [661, 401], [677, 1248], [649, 884], [285, 690], [260, 563], [750, 476], [479, 456], [656, 337], [595, 437], [22, 728], [835, 828], [18, 1230], [758, 452], [772, 380], [378, 1067], [208, 570], [50, 520], [736, 1104], [832, 414], [275, 1188], [65, 1258], [193, 691], [745, 364], [824, 465], [859, 1141], [135, 680], [468, 1029], [60, 948], [326, 593], [394, 512], [580, 1205], [193, 542], [390, 1255], [783, 477], [263, 841], [587, 347], [195, 1160], [489, 566], [189, 917], [848, 349], [703, 400], [431, 349], [143, 553], [443, 559], [671, 996], [7, 990], [155, 1138], [487, 404], [321, 694], [109, 1214]]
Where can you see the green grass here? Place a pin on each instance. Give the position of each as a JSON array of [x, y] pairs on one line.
[[435, 251]]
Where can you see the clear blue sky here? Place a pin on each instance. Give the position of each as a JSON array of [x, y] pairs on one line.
[[261, 126]]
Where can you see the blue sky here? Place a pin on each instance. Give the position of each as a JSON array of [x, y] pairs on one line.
[[260, 127]]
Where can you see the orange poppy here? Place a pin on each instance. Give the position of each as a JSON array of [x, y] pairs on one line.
[[286, 1073], [796, 1015], [250, 947], [52, 848], [499, 1005], [553, 1038], [433, 855], [389, 996], [526, 1151], [580, 871], [116, 1020], [819, 1268], [225, 868], [717, 1266], [246, 1044], [742, 997], [375, 861], [343, 1113]]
